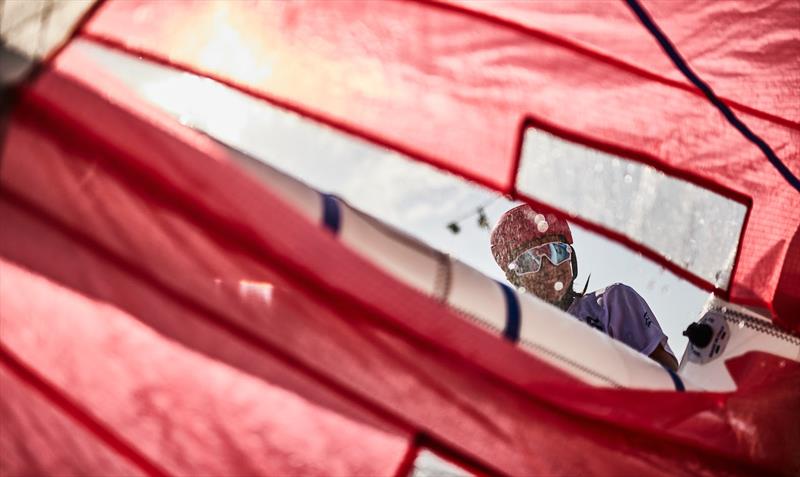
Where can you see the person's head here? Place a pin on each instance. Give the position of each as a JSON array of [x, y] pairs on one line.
[[535, 252]]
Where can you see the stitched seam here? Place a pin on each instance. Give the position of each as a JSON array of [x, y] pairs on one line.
[[757, 325], [444, 277], [572, 363], [473, 318], [535, 347]]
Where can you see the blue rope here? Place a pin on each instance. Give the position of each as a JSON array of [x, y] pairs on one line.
[[678, 60]]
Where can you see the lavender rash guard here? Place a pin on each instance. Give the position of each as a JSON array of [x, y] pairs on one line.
[[621, 313]]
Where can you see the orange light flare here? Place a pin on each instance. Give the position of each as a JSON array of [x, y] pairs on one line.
[[253, 53]]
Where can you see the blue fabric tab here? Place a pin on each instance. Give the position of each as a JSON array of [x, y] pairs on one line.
[[676, 380], [511, 331], [331, 214]]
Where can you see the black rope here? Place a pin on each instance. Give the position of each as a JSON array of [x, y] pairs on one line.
[[681, 64]]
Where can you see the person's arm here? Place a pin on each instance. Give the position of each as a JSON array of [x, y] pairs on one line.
[[663, 357]]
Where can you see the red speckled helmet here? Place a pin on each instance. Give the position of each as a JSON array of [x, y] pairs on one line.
[[520, 225]]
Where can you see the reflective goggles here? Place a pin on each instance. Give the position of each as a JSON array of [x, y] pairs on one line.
[[530, 261]]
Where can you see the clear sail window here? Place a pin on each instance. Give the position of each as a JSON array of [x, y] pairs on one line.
[[636, 200]]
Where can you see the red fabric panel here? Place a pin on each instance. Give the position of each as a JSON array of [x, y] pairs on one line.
[[142, 230], [787, 300], [452, 89], [747, 371], [745, 50], [37, 439], [186, 412], [769, 390]]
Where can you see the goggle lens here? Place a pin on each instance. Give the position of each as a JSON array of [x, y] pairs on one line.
[[530, 261]]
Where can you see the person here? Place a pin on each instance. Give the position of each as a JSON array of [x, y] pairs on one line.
[[535, 252]]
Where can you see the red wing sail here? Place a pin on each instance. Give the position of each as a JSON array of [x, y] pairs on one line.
[[163, 313], [453, 87], [320, 358]]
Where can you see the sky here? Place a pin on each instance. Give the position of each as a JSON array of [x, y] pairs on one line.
[[408, 194]]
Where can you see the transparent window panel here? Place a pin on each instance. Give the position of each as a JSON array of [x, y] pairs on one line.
[[691, 226]]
